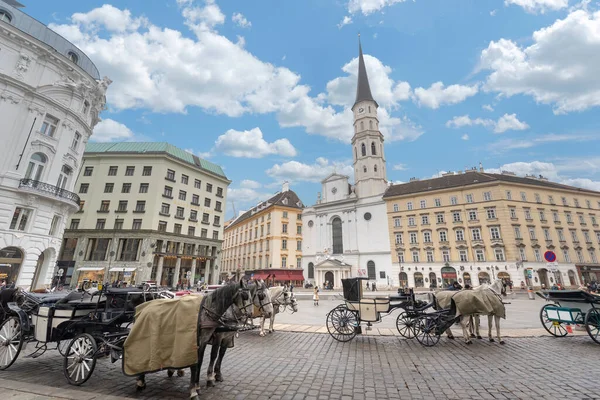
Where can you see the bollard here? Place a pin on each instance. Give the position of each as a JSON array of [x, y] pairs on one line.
[[530, 293]]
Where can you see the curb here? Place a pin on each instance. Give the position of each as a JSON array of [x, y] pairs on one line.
[[25, 391]]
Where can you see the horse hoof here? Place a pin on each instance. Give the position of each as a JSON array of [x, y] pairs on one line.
[[210, 384], [219, 377], [139, 387], [502, 342], [170, 373], [472, 335], [451, 337], [492, 340], [270, 331], [468, 342], [479, 337], [180, 373]]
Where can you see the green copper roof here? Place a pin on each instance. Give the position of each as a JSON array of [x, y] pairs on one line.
[[154, 147]]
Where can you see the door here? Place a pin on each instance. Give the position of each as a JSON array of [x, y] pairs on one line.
[[484, 278], [448, 276], [543, 274], [419, 279], [328, 280], [432, 280], [403, 278], [467, 279]]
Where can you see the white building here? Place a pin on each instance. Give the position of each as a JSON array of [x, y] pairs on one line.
[[149, 211], [345, 232], [50, 98]]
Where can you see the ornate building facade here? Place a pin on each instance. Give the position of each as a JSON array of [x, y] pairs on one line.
[[473, 227], [51, 96], [345, 232]]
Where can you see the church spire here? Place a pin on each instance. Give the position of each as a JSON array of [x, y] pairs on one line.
[[363, 90]]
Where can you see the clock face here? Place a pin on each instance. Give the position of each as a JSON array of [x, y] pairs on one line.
[[361, 110]]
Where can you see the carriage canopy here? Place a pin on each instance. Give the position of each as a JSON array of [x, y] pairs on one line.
[[353, 289]]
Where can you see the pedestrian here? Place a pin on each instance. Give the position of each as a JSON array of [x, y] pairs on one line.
[[374, 287], [316, 296], [291, 288]]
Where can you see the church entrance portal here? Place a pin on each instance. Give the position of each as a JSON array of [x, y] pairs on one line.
[[328, 280]]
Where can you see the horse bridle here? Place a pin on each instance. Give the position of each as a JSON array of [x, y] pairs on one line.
[[288, 301], [260, 293], [220, 319]]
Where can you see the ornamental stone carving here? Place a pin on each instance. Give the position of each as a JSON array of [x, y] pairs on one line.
[[22, 66]]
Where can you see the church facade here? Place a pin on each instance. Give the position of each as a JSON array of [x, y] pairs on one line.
[[346, 232]]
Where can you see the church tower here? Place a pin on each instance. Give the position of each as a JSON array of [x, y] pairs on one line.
[[367, 142]]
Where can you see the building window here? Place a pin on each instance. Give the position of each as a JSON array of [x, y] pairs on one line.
[[129, 171], [144, 188], [460, 235], [140, 206], [88, 171], [446, 255], [499, 253], [122, 206], [424, 219], [164, 209], [547, 234], [36, 167], [476, 234], [409, 205], [5, 16], [49, 125], [479, 255], [411, 221], [523, 196], [147, 171], [495, 232], [453, 200], [197, 184], [205, 218], [54, 225], [203, 233], [576, 202], [427, 237], [299, 245], [423, 204], [194, 215], [184, 179], [209, 187], [373, 152], [528, 214], [587, 237], [397, 222], [538, 199], [566, 255], [162, 226], [522, 255], [555, 216], [593, 256], [283, 262], [100, 223], [415, 256], [517, 233], [84, 188], [76, 140], [413, 238], [513, 212], [195, 200], [551, 199], [508, 195], [284, 244], [168, 192], [112, 171], [218, 206], [206, 202], [337, 236], [104, 206], [569, 218], [429, 255], [462, 255], [363, 149], [191, 231], [443, 236], [180, 212], [118, 224], [491, 213], [284, 228], [472, 215], [400, 256], [217, 222], [170, 175], [579, 255], [395, 207], [398, 238], [298, 230], [532, 233], [126, 188], [561, 235], [581, 220], [73, 57], [439, 218], [74, 224], [215, 235], [564, 201], [177, 229], [469, 198], [574, 236], [487, 196], [182, 195], [437, 202], [219, 192], [456, 216]]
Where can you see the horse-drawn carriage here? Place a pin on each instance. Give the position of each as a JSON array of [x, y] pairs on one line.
[[570, 308]]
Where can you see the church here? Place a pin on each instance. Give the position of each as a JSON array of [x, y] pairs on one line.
[[345, 234]]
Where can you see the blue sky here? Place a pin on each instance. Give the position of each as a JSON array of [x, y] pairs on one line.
[[263, 88]]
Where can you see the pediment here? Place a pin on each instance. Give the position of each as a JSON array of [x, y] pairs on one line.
[[334, 177]]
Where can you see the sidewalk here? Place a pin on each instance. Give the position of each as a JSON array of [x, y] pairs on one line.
[[15, 390]]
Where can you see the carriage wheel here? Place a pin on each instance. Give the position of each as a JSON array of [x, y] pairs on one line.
[[425, 329], [405, 325], [592, 324], [62, 347], [554, 328], [341, 324], [80, 361], [11, 342]]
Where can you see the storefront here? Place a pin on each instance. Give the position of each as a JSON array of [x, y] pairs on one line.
[[588, 273], [277, 277], [11, 259], [125, 276], [93, 275], [448, 276]]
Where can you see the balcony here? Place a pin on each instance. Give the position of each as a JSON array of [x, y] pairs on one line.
[[49, 190]]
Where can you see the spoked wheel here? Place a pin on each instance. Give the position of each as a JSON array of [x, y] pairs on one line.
[[11, 342], [426, 330], [405, 325], [62, 347], [554, 328], [341, 324], [80, 361], [592, 324]]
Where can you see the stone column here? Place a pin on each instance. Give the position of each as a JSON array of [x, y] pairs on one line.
[[176, 277], [193, 270], [159, 270]]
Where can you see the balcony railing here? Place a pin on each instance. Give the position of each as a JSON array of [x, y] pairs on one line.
[[48, 189]]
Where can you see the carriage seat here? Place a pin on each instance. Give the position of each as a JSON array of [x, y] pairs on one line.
[[369, 309], [46, 298], [79, 300]]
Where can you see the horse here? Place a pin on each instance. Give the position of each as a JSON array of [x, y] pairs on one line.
[[212, 309], [281, 297], [470, 308], [263, 306]]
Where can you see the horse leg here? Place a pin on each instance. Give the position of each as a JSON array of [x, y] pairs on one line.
[[262, 326], [214, 352], [490, 328], [271, 320], [449, 333], [471, 327], [195, 373], [222, 350], [140, 383], [464, 321], [497, 322]]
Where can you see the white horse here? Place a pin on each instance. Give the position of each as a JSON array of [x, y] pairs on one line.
[[263, 306], [281, 298]]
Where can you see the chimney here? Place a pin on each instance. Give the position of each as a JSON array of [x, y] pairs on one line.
[[480, 167], [285, 187]]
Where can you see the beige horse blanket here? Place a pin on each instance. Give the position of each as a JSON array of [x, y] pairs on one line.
[[164, 335], [469, 302]]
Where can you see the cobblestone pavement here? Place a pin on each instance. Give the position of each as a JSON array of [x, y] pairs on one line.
[[287, 365]]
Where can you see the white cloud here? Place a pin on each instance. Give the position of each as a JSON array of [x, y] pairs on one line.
[[514, 144], [109, 17], [250, 144], [559, 68], [250, 184], [347, 20], [465, 137], [541, 6], [367, 7], [240, 20], [109, 130], [400, 167], [242, 197], [295, 171], [437, 95], [487, 107], [493, 13], [505, 123]]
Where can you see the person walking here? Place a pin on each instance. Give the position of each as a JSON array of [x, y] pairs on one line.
[[316, 296]]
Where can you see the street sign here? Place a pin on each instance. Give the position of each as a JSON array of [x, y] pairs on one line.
[[60, 272], [550, 256]]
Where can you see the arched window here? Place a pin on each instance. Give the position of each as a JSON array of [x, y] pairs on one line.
[[65, 175], [365, 169], [363, 149], [369, 109], [373, 151], [370, 124], [375, 168], [36, 166], [73, 57], [5, 16], [362, 125], [371, 273], [337, 238], [311, 271]]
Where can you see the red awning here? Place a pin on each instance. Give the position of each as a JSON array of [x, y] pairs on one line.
[[259, 275], [290, 275]]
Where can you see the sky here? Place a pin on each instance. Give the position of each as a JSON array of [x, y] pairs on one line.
[[264, 88]]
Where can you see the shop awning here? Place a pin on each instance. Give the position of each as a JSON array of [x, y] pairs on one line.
[[126, 269], [291, 275], [91, 269], [259, 275]]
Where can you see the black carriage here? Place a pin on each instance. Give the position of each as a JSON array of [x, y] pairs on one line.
[[344, 321], [570, 308]]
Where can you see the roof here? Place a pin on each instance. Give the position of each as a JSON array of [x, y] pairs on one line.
[[472, 178], [284, 199], [154, 148], [363, 89]]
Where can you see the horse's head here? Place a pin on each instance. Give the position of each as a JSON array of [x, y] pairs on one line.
[[262, 299], [496, 286]]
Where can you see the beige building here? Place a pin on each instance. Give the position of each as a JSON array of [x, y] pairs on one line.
[[474, 227], [148, 211], [266, 240]]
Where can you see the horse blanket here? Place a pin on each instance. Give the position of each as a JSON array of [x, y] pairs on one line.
[[164, 335], [468, 302]]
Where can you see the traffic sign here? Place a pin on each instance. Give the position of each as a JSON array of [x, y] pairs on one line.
[[61, 272], [550, 256]]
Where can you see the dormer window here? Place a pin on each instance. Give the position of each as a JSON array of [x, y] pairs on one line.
[[5, 16], [73, 57]]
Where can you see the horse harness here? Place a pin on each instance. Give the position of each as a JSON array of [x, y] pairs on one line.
[[221, 320]]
